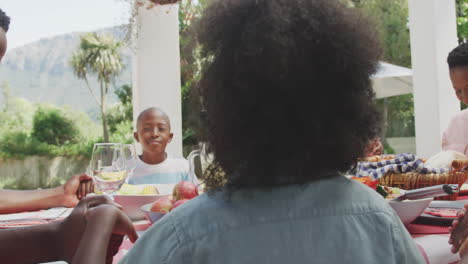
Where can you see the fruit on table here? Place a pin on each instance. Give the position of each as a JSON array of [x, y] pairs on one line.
[[176, 204], [130, 189], [162, 205], [184, 190]]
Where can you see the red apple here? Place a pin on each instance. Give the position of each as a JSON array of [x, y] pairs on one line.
[[176, 204], [162, 205], [171, 198], [184, 190]]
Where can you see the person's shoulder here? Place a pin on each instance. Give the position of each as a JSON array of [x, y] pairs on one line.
[[190, 220], [201, 203], [354, 197]]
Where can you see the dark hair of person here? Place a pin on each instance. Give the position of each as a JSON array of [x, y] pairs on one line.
[[286, 90], [4, 21], [458, 57]]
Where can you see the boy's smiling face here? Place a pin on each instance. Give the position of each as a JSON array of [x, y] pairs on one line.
[[459, 78], [153, 132]]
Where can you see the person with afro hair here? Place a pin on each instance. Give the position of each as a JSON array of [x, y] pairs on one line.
[[455, 137], [288, 108]]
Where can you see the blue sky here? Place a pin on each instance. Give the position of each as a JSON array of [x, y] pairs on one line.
[[35, 19]]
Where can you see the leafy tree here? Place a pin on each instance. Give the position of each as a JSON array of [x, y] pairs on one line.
[[190, 62], [99, 55], [50, 125], [16, 113], [391, 19], [462, 26], [120, 116], [462, 20]]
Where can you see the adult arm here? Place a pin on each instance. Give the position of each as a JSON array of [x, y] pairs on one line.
[[35, 244], [12, 201], [74, 239]]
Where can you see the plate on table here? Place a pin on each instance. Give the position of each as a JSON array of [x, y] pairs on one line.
[[440, 213], [33, 218]]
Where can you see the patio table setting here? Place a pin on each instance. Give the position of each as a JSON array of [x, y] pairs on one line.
[[432, 241], [427, 195], [429, 232], [431, 237], [425, 208]]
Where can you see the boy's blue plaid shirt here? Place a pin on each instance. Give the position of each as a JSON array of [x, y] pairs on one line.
[[400, 164]]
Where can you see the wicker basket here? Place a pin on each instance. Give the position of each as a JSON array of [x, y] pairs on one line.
[[409, 181]]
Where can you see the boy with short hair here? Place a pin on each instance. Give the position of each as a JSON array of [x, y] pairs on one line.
[[153, 132], [455, 137]]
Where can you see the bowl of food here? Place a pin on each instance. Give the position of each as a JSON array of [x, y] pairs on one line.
[[409, 210], [182, 192], [149, 214], [132, 197]]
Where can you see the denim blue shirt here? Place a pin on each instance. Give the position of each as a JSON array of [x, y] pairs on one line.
[[334, 220]]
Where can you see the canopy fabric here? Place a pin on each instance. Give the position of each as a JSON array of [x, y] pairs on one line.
[[392, 80]]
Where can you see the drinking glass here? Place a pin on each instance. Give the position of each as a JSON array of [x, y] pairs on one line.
[[108, 167], [129, 152]]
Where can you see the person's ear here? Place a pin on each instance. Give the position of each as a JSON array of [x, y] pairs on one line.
[[171, 135], [136, 137]]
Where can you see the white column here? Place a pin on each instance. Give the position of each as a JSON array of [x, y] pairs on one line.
[[156, 69], [433, 35]]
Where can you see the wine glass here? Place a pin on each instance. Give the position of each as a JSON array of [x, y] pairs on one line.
[[130, 155], [108, 167]]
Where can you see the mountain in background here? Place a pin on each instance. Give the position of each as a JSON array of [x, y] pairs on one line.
[[41, 72]]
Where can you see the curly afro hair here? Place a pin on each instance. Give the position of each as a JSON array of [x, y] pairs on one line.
[[458, 57], [4, 21], [286, 90]]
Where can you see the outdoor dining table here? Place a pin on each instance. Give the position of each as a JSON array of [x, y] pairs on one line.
[[431, 240]]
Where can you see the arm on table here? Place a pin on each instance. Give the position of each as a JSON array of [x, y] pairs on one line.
[[83, 237], [12, 201]]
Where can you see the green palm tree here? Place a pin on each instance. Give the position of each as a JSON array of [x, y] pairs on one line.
[[99, 55]]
